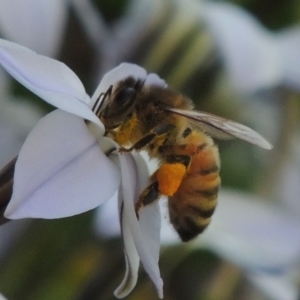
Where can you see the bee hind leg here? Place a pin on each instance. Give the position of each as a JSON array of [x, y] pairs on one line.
[[148, 196]]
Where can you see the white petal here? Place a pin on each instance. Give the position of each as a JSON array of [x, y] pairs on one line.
[[154, 79], [248, 49], [51, 80], [149, 216], [107, 219], [147, 256], [252, 234], [131, 257], [61, 171], [36, 24], [149, 220], [119, 73]]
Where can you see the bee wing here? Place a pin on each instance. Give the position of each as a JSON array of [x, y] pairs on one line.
[[222, 128], [6, 187]]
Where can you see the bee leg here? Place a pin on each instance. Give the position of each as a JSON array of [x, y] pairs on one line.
[[148, 196], [171, 173], [159, 133], [179, 158], [140, 144]]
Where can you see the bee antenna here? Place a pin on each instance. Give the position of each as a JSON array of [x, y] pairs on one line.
[[101, 99]]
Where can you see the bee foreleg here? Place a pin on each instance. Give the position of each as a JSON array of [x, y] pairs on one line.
[[160, 132], [148, 196], [140, 144]]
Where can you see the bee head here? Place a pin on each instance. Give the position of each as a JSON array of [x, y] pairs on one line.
[[118, 102]]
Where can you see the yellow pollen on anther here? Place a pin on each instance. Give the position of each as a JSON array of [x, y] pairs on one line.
[[169, 177]]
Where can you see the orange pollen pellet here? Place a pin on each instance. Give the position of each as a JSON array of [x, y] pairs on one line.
[[169, 177]]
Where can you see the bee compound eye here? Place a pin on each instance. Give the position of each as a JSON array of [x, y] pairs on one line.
[[125, 96]]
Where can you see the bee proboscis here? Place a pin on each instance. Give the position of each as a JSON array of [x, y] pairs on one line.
[[163, 123]]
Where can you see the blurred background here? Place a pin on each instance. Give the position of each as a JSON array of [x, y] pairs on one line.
[[238, 59]]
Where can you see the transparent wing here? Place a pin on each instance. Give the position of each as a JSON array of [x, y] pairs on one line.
[[222, 128]]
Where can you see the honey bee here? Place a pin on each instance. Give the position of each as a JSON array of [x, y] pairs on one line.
[[163, 122]]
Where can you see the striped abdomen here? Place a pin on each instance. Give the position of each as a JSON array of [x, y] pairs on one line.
[[192, 206]]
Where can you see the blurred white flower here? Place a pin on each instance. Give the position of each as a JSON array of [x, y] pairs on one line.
[[62, 168], [36, 24], [261, 239], [255, 57], [2, 297]]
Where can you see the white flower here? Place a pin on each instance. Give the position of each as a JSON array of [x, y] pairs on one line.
[[62, 169], [255, 57], [261, 239]]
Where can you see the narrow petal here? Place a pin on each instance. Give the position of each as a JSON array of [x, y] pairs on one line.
[[49, 79], [61, 171], [149, 216], [147, 256], [107, 222], [131, 257], [149, 225]]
